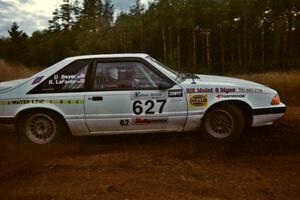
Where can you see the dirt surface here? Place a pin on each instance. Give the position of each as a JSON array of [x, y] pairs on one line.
[[264, 164]]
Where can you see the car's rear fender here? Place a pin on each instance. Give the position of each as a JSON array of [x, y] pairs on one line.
[[77, 125]]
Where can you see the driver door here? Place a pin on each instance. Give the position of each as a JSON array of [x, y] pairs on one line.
[[126, 97]]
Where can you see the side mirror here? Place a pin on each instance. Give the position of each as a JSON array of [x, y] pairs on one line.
[[164, 85]]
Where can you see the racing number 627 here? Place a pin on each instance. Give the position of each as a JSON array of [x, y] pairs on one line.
[[149, 104]]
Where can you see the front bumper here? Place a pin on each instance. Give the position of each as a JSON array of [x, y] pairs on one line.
[[272, 110], [266, 116]]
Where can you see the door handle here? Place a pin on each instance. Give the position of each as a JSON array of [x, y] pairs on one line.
[[96, 98]]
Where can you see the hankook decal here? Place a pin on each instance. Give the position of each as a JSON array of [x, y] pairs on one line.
[[228, 96]]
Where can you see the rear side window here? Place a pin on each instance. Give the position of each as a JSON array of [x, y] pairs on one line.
[[72, 78]]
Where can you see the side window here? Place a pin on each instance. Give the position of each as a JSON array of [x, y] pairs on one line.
[[71, 78], [125, 75]]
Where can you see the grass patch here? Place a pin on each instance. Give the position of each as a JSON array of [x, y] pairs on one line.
[[9, 71]]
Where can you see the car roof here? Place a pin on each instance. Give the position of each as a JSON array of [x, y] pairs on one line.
[[120, 55]]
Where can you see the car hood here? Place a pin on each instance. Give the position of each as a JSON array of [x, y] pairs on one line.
[[4, 86], [222, 81]]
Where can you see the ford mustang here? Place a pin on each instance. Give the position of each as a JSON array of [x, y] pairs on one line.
[[132, 93]]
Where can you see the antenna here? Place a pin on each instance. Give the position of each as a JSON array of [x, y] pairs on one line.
[[193, 77]]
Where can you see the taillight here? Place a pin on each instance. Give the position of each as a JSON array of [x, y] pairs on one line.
[[275, 100]]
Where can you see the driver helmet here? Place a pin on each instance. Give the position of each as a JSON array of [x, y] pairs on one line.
[[114, 73]]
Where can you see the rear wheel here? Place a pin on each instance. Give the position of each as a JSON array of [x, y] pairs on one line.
[[40, 127], [224, 123]]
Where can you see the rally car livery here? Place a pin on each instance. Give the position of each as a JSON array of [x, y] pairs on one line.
[[132, 93]]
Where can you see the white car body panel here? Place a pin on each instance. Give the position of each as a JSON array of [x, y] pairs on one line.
[[87, 117], [103, 116]]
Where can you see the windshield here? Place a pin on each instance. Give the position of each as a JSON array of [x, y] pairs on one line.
[[167, 70]]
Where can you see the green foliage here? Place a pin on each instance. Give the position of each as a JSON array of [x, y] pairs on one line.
[[65, 17], [16, 35], [15, 48], [217, 36]]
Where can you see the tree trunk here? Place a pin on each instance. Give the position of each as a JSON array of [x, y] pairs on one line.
[[194, 49], [164, 43], [142, 36], [263, 46], [245, 44], [222, 49], [208, 50], [239, 51], [284, 50], [232, 49], [178, 47], [250, 48], [203, 50], [171, 50]]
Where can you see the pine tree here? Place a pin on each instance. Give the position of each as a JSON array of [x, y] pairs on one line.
[[18, 46], [108, 12], [65, 17], [54, 23], [66, 10], [16, 35]]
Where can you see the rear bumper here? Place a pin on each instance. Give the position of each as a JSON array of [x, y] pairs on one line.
[[266, 116]]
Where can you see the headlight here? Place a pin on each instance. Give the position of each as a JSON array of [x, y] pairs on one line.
[[276, 100]]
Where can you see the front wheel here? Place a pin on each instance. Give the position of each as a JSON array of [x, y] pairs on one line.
[[39, 127], [224, 123]]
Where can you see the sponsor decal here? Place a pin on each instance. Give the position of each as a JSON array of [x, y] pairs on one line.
[[199, 100], [221, 96], [174, 100], [199, 90], [67, 79], [175, 93], [143, 96], [150, 120], [37, 80], [137, 94], [250, 90], [40, 101], [124, 122], [225, 90]]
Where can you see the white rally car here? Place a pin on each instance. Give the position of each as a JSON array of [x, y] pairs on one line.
[[132, 93]]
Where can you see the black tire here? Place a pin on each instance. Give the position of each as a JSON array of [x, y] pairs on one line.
[[224, 123], [40, 127]]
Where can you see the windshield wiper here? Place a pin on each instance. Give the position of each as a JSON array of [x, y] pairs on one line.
[[186, 76]]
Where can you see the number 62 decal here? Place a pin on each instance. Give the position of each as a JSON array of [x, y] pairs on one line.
[[149, 105]]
